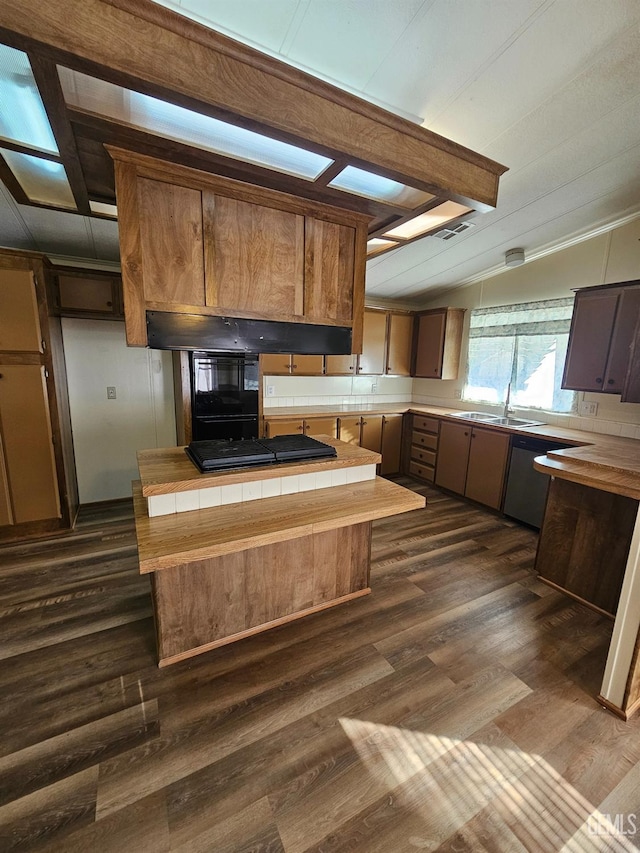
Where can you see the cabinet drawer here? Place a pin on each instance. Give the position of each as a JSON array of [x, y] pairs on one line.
[[423, 457], [422, 471], [425, 439], [426, 424]]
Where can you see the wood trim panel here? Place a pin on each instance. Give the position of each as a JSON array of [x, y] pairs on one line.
[[245, 83], [359, 272], [131, 254]]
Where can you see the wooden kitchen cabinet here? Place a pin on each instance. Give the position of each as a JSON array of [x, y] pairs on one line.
[[287, 365], [306, 426], [38, 492], [87, 293], [391, 446], [488, 456], [472, 461], [603, 327], [350, 429], [386, 349], [279, 427], [437, 343], [399, 344], [196, 243], [423, 441]]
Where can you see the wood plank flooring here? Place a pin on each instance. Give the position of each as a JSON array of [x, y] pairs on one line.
[[450, 710]]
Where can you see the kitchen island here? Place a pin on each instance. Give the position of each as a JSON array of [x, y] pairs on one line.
[[237, 552]]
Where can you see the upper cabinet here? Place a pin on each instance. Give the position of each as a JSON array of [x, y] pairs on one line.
[[603, 327], [437, 343], [87, 293], [196, 243]]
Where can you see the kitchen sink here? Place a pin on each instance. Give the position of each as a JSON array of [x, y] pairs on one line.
[[515, 422], [472, 416], [495, 419]]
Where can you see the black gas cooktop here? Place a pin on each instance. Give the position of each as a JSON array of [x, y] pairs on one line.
[[218, 455]]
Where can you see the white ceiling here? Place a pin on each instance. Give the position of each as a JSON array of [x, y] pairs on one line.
[[549, 88]]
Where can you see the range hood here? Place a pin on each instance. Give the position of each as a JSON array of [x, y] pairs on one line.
[[166, 330]]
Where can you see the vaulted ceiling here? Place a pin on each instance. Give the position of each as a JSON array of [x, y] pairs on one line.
[[549, 88]]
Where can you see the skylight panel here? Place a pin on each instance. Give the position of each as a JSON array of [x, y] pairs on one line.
[[103, 208], [191, 128], [367, 184], [376, 245], [43, 181], [22, 115]]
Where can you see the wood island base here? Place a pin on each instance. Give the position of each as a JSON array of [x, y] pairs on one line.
[[202, 605]]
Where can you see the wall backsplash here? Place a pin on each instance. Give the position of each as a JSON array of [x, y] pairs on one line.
[[335, 390]]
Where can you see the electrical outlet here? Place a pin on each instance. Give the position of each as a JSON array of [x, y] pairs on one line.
[[374, 387], [271, 390], [457, 394], [111, 392], [588, 409]]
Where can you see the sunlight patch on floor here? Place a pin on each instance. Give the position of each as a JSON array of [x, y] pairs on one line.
[[438, 784]]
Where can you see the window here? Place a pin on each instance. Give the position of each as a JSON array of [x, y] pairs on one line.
[[525, 345]]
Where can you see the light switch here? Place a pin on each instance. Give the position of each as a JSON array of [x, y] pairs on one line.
[[111, 392]]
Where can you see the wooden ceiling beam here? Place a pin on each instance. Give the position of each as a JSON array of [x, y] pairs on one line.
[[152, 44], [48, 84]]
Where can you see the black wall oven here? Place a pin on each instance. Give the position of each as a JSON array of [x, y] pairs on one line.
[[224, 395]]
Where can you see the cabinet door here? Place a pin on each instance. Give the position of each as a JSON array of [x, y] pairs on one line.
[[328, 275], [278, 427], [254, 258], [20, 326], [321, 426], [308, 365], [350, 430], [589, 338], [453, 456], [430, 344], [624, 329], [399, 346], [276, 363], [340, 365], [371, 435], [171, 243], [372, 359], [487, 466], [6, 512], [28, 447], [391, 444], [88, 294]]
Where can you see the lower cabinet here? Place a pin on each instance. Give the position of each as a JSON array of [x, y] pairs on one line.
[[424, 447], [472, 461], [306, 426], [380, 433]]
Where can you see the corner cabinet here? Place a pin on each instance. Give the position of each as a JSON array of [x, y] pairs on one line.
[[604, 326], [196, 243], [38, 492], [437, 343]]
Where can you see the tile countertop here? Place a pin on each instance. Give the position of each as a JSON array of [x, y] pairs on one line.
[[608, 462]]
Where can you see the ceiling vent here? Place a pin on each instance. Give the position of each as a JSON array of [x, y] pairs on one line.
[[448, 233]]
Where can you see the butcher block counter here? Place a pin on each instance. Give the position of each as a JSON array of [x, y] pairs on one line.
[[237, 552]]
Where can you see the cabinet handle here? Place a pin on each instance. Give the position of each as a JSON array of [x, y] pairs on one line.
[[364, 423], [350, 367], [294, 367], [1, 375], [109, 304], [466, 433], [611, 382], [599, 380], [300, 428], [359, 369]]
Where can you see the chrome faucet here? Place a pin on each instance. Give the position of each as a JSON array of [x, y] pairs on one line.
[[507, 410]]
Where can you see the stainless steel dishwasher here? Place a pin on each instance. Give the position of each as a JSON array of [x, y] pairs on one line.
[[526, 491]]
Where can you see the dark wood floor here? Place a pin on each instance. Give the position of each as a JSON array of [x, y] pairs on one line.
[[450, 710]]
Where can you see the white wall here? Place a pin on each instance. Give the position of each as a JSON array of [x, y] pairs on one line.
[[107, 433], [605, 259]]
